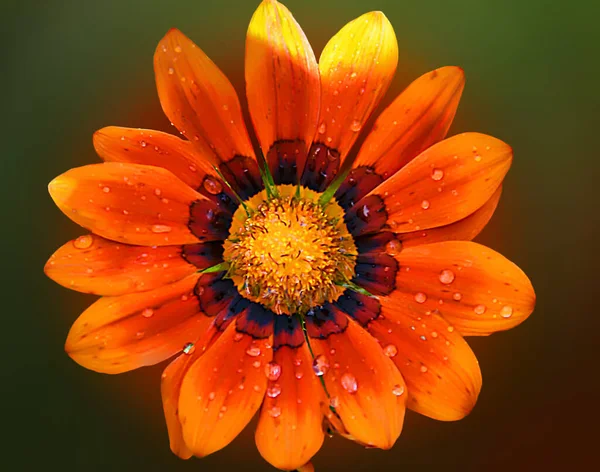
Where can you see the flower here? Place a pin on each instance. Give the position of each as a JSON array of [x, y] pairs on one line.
[[316, 284]]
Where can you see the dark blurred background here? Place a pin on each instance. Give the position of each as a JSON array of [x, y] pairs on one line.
[[71, 67]]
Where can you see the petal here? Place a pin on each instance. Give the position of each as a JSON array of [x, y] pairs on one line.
[[199, 100], [462, 230], [441, 372], [118, 334], [445, 183], [290, 427], [136, 204], [356, 66], [364, 386], [171, 381], [283, 89], [153, 148], [474, 288], [223, 389], [92, 264], [418, 118]]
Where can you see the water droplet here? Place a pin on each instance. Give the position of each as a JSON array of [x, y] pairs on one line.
[[177, 48], [275, 411], [390, 350], [106, 189], [237, 336], [334, 402], [157, 192], [477, 158], [446, 276], [450, 329], [437, 174], [349, 383], [274, 390], [83, 242], [353, 75], [253, 351], [479, 309], [506, 311], [423, 368], [320, 365], [393, 247], [420, 297], [147, 313], [171, 71], [398, 390], [161, 229], [457, 296], [322, 128], [188, 348], [143, 144], [212, 186], [272, 371], [355, 126], [211, 396]]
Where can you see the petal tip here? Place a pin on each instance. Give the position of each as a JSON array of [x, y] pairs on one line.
[[60, 188]]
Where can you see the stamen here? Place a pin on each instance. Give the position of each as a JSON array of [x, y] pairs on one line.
[[291, 254]]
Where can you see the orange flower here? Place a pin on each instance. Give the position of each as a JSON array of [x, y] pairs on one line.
[[315, 285]]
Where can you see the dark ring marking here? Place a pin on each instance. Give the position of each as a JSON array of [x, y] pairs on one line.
[[358, 184], [322, 165], [359, 307], [323, 321]]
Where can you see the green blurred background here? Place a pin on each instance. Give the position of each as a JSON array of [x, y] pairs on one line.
[[70, 67]]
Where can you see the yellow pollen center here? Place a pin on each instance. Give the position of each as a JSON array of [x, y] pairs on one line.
[[291, 254]]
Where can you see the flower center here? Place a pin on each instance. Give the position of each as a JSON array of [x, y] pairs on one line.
[[290, 253]]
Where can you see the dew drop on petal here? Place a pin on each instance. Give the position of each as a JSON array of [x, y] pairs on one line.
[[275, 411], [506, 311], [253, 351], [446, 276], [398, 390], [437, 174], [161, 229], [211, 396], [355, 126], [393, 247], [83, 242], [320, 365], [106, 189], [274, 391], [334, 402], [147, 313], [188, 348], [423, 368], [420, 297], [212, 186], [171, 71], [272, 371], [457, 296], [322, 128], [349, 383], [479, 309], [425, 204], [177, 48], [237, 336], [390, 350]]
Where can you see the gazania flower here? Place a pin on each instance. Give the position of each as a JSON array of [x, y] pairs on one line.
[[320, 287]]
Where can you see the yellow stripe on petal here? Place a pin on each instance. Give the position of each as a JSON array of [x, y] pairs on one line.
[[356, 66], [282, 84]]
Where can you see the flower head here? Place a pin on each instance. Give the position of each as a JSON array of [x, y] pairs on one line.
[[326, 287]]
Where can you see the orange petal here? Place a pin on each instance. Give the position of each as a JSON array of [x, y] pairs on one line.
[[282, 85], [365, 387], [92, 264], [199, 100], [462, 230], [290, 427], [132, 204], [170, 387], [441, 372], [171, 381], [118, 334], [445, 183], [476, 290], [418, 118], [153, 148], [222, 390], [356, 66]]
